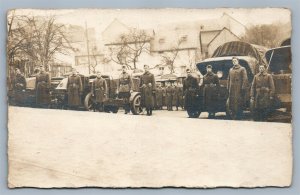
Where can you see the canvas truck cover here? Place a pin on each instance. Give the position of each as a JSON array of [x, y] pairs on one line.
[[279, 59], [239, 48]]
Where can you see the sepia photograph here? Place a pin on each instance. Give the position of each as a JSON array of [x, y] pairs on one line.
[[118, 98]]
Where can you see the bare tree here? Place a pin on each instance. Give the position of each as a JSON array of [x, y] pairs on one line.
[[129, 48], [37, 39], [168, 58], [268, 35]]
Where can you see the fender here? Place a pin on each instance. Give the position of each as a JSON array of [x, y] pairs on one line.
[[133, 95]]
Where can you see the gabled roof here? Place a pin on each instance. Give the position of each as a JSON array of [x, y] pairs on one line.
[[224, 29], [113, 31]]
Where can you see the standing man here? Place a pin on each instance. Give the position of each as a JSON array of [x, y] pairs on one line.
[[211, 91], [236, 85], [180, 96], [175, 93], [19, 87], [262, 92], [99, 91], [148, 89], [164, 95], [159, 97], [169, 96], [190, 88], [43, 83], [124, 88], [74, 88]]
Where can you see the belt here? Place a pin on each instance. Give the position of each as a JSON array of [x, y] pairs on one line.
[[210, 85], [191, 88], [263, 89]]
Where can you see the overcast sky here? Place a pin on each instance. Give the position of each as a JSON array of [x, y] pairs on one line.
[[150, 18]]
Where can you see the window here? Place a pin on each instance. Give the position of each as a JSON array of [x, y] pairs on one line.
[[184, 38], [161, 40]]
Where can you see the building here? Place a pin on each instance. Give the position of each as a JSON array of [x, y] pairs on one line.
[[176, 46]]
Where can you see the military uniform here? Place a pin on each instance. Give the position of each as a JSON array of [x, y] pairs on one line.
[[43, 84], [211, 87], [99, 90], [262, 90], [19, 86], [237, 83], [124, 86], [147, 91], [180, 96], [169, 97], [74, 88], [159, 97], [190, 88], [164, 97]]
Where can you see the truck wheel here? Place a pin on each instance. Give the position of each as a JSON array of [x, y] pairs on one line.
[[115, 109], [193, 113], [135, 105], [89, 102]]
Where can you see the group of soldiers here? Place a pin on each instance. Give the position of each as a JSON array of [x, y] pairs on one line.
[[171, 95], [261, 92], [42, 86], [156, 97]]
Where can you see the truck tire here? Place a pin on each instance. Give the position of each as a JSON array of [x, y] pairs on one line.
[[89, 102], [193, 113], [135, 105]]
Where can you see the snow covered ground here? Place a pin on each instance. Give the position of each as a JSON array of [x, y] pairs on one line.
[[62, 148]]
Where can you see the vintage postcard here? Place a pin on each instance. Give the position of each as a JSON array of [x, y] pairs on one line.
[[130, 98]]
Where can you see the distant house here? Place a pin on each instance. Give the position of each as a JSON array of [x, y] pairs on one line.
[[195, 40], [210, 40], [111, 37], [112, 33], [192, 41]]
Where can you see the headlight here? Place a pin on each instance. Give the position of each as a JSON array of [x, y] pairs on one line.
[[220, 74]]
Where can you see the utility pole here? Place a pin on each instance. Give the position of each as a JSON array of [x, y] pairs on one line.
[[88, 48]]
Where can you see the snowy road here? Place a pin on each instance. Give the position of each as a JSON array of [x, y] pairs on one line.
[[77, 148]]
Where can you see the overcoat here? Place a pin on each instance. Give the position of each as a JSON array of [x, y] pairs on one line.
[[99, 89], [43, 83], [19, 85], [169, 96], [74, 88], [236, 85], [190, 89], [159, 96], [147, 90], [211, 87], [262, 89]]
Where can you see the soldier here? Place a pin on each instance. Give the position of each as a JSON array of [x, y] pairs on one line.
[[210, 91], [190, 87], [43, 83], [169, 96], [147, 85], [19, 86], [159, 96], [236, 85], [74, 88], [262, 92], [35, 72], [99, 91], [125, 88], [177, 98], [180, 96], [164, 95]]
